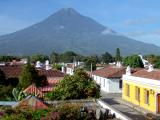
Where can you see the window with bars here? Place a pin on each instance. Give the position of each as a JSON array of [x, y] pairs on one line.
[[137, 93], [127, 90], [146, 96]]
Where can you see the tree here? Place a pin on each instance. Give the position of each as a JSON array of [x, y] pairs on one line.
[[2, 78], [68, 56], [118, 55], [133, 61], [54, 58], [90, 63], [78, 86], [39, 57], [151, 58], [28, 76], [107, 58]]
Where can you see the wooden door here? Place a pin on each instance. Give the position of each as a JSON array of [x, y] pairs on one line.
[[158, 104]]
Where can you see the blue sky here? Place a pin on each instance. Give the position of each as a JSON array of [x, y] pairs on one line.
[[138, 19]]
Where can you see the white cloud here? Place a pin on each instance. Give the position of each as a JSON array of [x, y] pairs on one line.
[[131, 22]]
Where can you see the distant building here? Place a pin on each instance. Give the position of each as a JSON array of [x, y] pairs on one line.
[[109, 78], [142, 88], [69, 68], [40, 91]]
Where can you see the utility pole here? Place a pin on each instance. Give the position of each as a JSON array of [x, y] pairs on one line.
[[91, 69]]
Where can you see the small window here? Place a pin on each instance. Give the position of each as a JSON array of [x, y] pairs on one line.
[[103, 82], [120, 84], [137, 93], [146, 96], [127, 90]]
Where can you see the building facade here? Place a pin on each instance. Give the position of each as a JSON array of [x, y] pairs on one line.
[[109, 78], [142, 88]]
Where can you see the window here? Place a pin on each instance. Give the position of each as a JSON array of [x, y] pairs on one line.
[[137, 93], [120, 84], [146, 97], [127, 90], [103, 82]]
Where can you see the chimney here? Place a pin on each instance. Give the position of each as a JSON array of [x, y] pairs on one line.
[[47, 65], [63, 69], [38, 64], [128, 70], [150, 68], [118, 64]]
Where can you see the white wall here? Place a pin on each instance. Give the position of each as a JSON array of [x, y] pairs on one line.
[[114, 86], [69, 71], [107, 85]]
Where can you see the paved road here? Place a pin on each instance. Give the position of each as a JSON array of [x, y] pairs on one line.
[[114, 101]]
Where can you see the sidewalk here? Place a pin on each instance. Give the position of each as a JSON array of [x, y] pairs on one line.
[[117, 103]]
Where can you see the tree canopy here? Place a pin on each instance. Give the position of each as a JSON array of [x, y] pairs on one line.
[[90, 62], [28, 76], [2, 78], [55, 57], [78, 86], [118, 55], [107, 58], [39, 57], [133, 61]]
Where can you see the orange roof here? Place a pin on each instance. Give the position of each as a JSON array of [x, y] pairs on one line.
[[31, 102], [15, 71], [110, 72], [32, 89], [155, 74]]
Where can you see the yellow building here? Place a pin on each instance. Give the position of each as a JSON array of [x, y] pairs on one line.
[[142, 88]]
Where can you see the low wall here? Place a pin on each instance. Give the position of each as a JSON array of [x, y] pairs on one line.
[[118, 114]]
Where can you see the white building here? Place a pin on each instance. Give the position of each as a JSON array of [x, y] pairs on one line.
[[69, 68], [109, 78]]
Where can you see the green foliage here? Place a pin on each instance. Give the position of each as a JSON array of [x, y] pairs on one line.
[[57, 66], [107, 58], [133, 61], [78, 86], [90, 62], [8, 58], [157, 64], [68, 57], [54, 58], [6, 92], [65, 111], [18, 95], [28, 76], [39, 57], [2, 78], [118, 55]]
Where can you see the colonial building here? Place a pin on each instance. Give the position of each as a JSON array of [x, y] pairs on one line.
[[142, 88], [109, 78]]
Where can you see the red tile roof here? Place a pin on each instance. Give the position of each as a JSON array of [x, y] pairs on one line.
[[155, 74], [51, 73], [51, 84], [33, 90], [31, 102], [11, 71], [15, 71], [110, 72]]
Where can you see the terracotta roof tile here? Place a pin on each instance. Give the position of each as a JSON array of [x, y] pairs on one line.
[[110, 72], [15, 71], [155, 74]]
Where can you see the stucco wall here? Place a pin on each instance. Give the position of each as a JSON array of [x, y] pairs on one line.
[[108, 85]]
